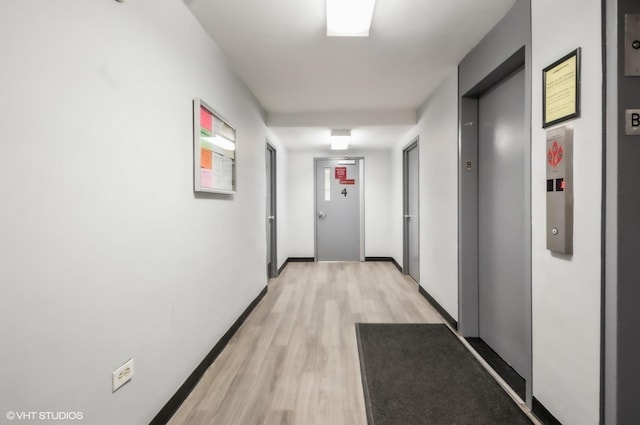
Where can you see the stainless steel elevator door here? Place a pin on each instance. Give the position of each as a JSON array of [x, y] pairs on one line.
[[501, 220]]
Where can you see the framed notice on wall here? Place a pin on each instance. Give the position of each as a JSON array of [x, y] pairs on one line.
[[214, 151], [561, 90]]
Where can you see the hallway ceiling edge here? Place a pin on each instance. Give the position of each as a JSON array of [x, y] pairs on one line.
[[304, 79]]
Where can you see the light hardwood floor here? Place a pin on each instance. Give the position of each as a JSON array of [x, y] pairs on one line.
[[295, 359]]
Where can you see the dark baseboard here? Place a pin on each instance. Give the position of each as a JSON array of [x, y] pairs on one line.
[[311, 260], [543, 414], [300, 260], [183, 392], [502, 368], [438, 307], [282, 267], [295, 260], [391, 259]]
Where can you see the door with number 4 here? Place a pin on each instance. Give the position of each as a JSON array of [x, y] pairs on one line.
[[339, 208]]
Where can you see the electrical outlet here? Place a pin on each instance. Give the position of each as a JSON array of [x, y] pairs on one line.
[[122, 375]]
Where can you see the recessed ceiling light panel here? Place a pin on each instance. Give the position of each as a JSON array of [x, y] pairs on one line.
[[349, 18], [340, 139]]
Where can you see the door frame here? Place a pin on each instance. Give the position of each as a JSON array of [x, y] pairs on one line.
[[468, 197], [414, 144], [272, 268], [360, 160]]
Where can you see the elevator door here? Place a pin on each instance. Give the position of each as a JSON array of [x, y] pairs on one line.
[[502, 226]]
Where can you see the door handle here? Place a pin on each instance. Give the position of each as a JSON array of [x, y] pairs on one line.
[[407, 216], [271, 217], [321, 214]]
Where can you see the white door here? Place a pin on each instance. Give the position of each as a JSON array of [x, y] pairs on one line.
[[339, 235]]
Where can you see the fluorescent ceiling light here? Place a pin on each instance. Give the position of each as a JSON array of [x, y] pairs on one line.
[[340, 139], [221, 142], [349, 18]]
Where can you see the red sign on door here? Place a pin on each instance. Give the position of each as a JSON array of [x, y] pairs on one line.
[[341, 173], [347, 181]]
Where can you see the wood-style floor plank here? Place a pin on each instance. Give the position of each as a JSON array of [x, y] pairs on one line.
[[295, 359]]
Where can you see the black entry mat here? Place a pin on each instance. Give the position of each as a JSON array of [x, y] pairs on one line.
[[416, 374]]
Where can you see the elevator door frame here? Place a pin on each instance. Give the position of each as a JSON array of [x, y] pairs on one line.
[[468, 204]]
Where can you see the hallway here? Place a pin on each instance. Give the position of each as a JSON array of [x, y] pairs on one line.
[[113, 259], [295, 359]]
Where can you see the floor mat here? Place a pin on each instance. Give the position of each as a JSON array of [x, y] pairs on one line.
[[416, 374]]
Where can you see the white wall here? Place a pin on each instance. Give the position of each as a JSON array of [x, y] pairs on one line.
[[377, 187], [397, 198], [106, 253], [437, 131], [566, 291]]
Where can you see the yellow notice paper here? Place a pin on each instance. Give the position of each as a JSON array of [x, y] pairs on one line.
[[560, 90]]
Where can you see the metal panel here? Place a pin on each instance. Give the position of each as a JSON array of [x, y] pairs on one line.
[[501, 182], [560, 190], [627, 291], [338, 219], [632, 45], [609, 353], [468, 218]]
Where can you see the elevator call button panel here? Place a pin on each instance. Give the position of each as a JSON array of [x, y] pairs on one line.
[[560, 190]]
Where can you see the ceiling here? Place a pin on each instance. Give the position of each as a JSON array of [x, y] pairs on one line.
[[309, 83]]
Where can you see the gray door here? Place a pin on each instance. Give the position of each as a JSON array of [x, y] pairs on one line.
[[411, 213], [501, 220], [338, 232], [272, 257]]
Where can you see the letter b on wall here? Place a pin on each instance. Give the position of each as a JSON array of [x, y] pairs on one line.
[[632, 122]]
